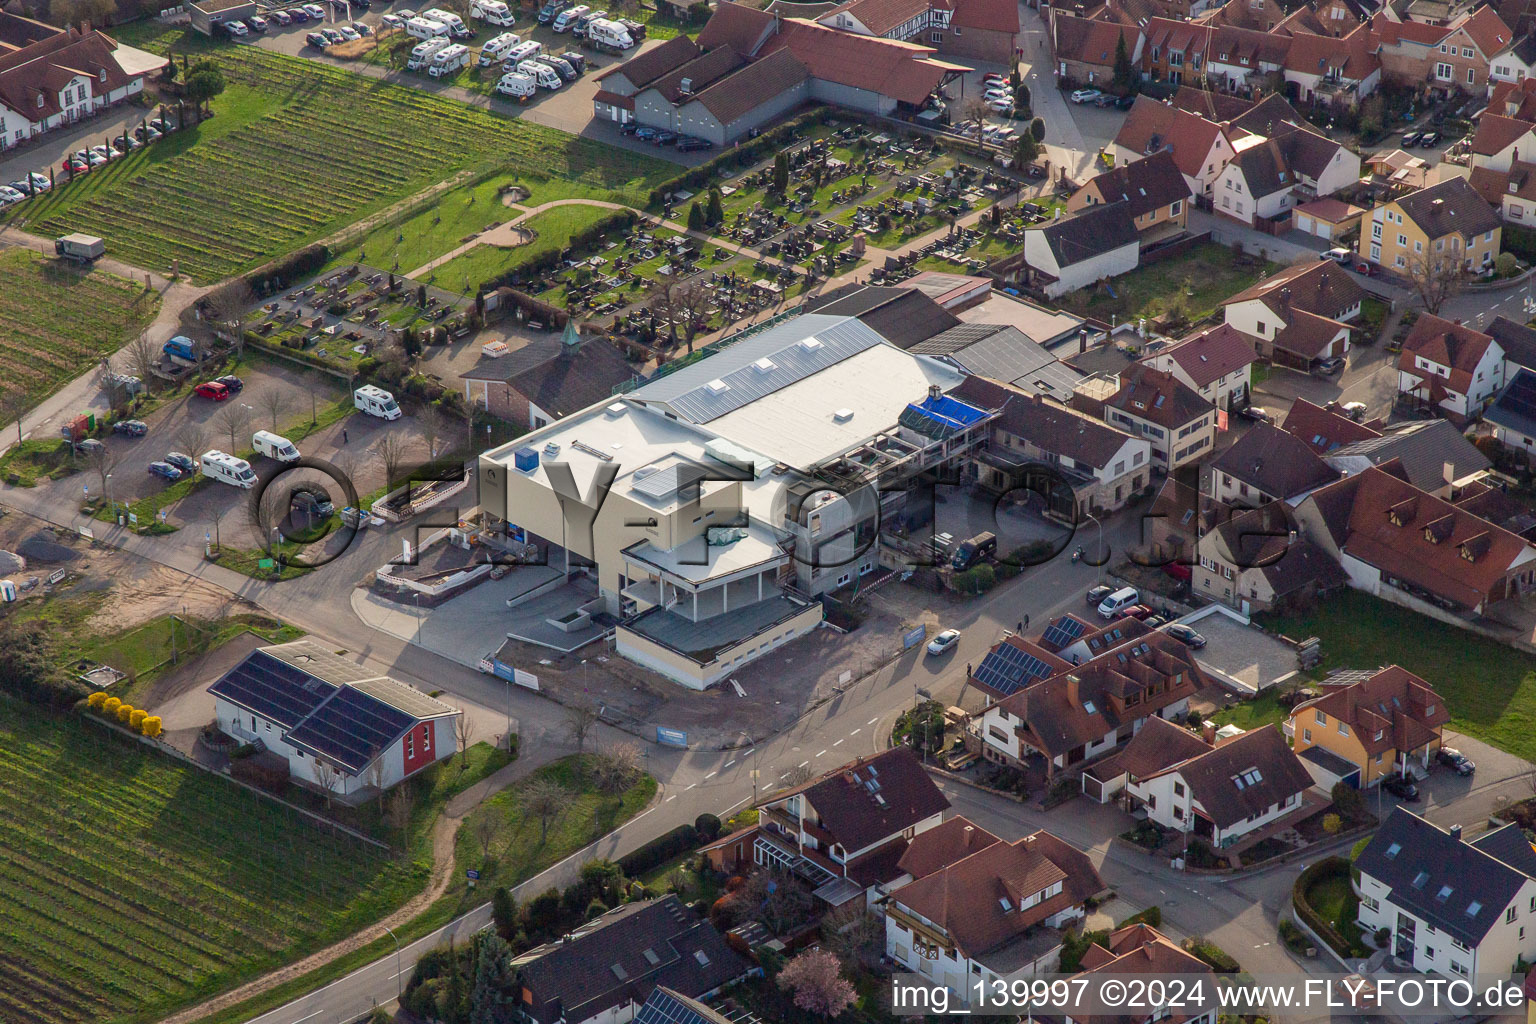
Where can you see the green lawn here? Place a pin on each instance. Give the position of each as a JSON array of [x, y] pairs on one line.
[[1333, 899], [1250, 714], [56, 321], [297, 151], [553, 229], [34, 460], [1200, 279], [131, 884], [1490, 688]]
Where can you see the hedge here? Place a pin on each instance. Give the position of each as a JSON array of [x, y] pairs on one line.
[[1152, 916], [280, 274], [659, 850], [1208, 952], [1323, 928], [743, 155]]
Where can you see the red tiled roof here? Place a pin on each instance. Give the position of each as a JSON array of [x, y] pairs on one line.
[[986, 15], [848, 806], [613, 99], [1211, 354], [1152, 126], [1322, 429], [1449, 344], [1485, 29], [903, 71], [44, 68], [1392, 710], [942, 845], [1212, 776], [1157, 746], [740, 27], [1145, 185], [1392, 32], [1496, 133], [880, 16], [1353, 56], [1092, 42], [1333, 211], [1157, 396]]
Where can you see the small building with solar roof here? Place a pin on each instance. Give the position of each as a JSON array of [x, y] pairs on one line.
[[340, 727]]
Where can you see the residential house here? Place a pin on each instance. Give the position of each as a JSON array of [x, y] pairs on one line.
[[1082, 248], [1179, 423], [1333, 69], [1518, 342], [1513, 414], [1500, 140], [341, 728], [1217, 362], [1152, 188], [1084, 50], [1068, 715], [1159, 745], [580, 375], [1255, 561], [605, 970], [1405, 545], [1078, 640], [1180, 515], [1442, 226], [1269, 176], [851, 825], [1104, 466], [1432, 455], [1200, 147], [991, 916], [1464, 56], [1216, 106], [1516, 62], [1387, 723], [1242, 59], [1323, 428], [1454, 907], [1267, 464], [1450, 367], [1257, 15], [1511, 192], [1327, 218], [1299, 315], [1135, 951], [1407, 49]]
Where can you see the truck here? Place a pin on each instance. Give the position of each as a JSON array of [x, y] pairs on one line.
[[448, 60], [456, 26], [542, 74], [981, 546], [227, 469], [79, 248], [520, 87], [495, 49], [492, 12], [375, 401], [274, 446], [610, 36], [181, 347], [422, 53], [425, 28]]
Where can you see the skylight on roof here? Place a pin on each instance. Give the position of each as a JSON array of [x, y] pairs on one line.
[[718, 386], [1004, 902], [1474, 908], [1419, 879], [1444, 893], [698, 955], [1394, 850], [1090, 707]]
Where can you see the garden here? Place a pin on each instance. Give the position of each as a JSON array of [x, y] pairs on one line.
[[1186, 288], [288, 160]]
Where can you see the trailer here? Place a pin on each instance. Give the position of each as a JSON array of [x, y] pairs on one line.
[[79, 248], [542, 74], [426, 28], [608, 36]]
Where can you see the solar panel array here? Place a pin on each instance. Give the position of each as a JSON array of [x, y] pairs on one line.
[[351, 728], [1063, 631], [273, 689], [1008, 670], [665, 1008]]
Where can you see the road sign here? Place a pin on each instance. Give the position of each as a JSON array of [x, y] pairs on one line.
[[472, 875], [133, 519], [266, 563], [913, 636]]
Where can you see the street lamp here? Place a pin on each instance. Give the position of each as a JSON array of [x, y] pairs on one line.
[[399, 985], [1101, 556], [111, 506]]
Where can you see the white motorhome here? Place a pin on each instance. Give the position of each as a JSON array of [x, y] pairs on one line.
[[496, 49], [566, 18], [542, 74], [422, 53], [519, 87], [456, 26], [274, 446], [521, 52], [492, 12], [426, 28], [375, 401], [448, 60], [227, 469], [608, 34]]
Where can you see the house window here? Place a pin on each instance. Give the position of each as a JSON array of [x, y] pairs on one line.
[[1173, 210], [1471, 76], [1509, 915], [426, 741], [1322, 719], [1343, 729], [1178, 789], [1375, 230], [410, 745], [1402, 240], [1443, 72], [1466, 51], [1375, 253], [1306, 734]]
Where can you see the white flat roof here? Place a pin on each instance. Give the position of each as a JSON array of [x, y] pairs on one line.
[[698, 561]]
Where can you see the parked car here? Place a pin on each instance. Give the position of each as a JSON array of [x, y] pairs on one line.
[[1155, 621], [1456, 760], [317, 40], [1135, 611], [1402, 788], [1256, 413], [1185, 635], [575, 60], [40, 182], [281, 17], [664, 138], [1429, 140], [181, 461], [944, 642], [316, 12], [629, 128], [236, 28], [147, 133], [1086, 95], [1125, 102], [391, 21], [9, 195], [647, 133], [999, 106], [212, 390], [1343, 256], [257, 23], [90, 446], [297, 15], [166, 470], [1096, 595], [1106, 100], [688, 144], [347, 34], [1328, 367], [310, 502], [994, 76], [130, 428], [229, 380], [361, 28]]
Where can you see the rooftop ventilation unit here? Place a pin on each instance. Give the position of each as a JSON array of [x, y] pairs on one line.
[[843, 415], [764, 365], [614, 411], [809, 344], [718, 386]]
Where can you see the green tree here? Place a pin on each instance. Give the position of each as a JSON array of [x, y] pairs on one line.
[[204, 82], [504, 911], [1125, 72], [781, 173], [1026, 150], [170, 72], [493, 981], [543, 911], [716, 213], [695, 218], [1037, 129]]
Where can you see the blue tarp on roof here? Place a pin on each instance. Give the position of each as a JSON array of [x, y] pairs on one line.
[[940, 416]]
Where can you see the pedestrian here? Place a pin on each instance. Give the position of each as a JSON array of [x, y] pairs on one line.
[[1026, 620], [343, 435], [968, 669]]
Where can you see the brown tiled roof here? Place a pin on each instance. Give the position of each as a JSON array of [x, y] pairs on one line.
[[1352, 57], [986, 15], [42, 69], [1486, 30], [701, 72], [943, 845], [1256, 538], [1334, 211], [1139, 949], [849, 807], [1449, 344], [1092, 42], [902, 71], [1048, 424], [1213, 776], [613, 99], [1450, 206], [1159, 745], [1304, 565], [571, 381], [880, 16], [1392, 32], [738, 26], [1158, 396], [645, 68], [1323, 429], [1089, 233], [745, 90], [1275, 462], [1266, 116], [1152, 126], [1496, 133], [1218, 106], [1144, 185], [1392, 710], [1211, 354], [1314, 286]]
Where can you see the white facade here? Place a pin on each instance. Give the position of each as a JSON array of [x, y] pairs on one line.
[[1169, 802], [1037, 253], [995, 729], [1170, 448], [1211, 167], [81, 98], [956, 971], [1511, 938], [1487, 380], [1233, 197], [1217, 392]]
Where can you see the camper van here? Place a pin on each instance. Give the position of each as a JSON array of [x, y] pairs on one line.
[[608, 35], [494, 50], [566, 18], [542, 74], [426, 28], [274, 446], [519, 87], [492, 12], [227, 469], [456, 26], [448, 60], [375, 401], [564, 70], [422, 53], [521, 52]]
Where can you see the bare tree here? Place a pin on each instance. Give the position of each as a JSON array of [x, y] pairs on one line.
[[432, 426], [798, 776], [326, 777], [107, 380], [13, 405], [852, 934], [398, 809], [464, 732], [692, 304], [102, 460], [392, 450], [235, 420], [1436, 277], [485, 828], [616, 768], [975, 111], [581, 717], [543, 798], [144, 357], [274, 402], [193, 438], [663, 303]]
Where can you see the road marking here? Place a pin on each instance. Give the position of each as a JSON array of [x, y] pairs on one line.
[[315, 1014], [872, 721], [692, 785], [784, 776], [671, 798], [710, 776], [856, 731], [802, 764], [820, 752], [729, 763], [838, 741]]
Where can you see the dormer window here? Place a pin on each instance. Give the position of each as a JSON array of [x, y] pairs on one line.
[[102, 74], [39, 100]]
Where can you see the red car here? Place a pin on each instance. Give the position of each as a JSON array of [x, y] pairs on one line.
[[1136, 611], [211, 389]]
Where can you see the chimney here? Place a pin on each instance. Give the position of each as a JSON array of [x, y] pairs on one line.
[[1208, 733], [1448, 471], [1456, 832], [1040, 400], [1082, 341], [1074, 688]]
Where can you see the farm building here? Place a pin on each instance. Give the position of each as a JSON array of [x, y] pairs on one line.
[[340, 727], [206, 14]]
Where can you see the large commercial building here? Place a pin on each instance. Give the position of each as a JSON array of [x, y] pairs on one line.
[[713, 504]]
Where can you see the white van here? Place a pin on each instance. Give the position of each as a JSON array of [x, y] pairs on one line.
[[227, 469], [521, 52], [542, 74], [274, 446], [375, 401], [603, 32], [566, 18], [519, 87], [1117, 602], [422, 53], [492, 12], [426, 28], [448, 60], [496, 49], [456, 26]]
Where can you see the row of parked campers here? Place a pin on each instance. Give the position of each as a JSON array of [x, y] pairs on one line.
[[233, 470], [437, 24]]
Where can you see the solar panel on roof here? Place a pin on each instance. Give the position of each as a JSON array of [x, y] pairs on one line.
[[350, 728], [1061, 633], [273, 689], [664, 1008], [1008, 670]]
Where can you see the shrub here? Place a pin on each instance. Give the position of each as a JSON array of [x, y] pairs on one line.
[[136, 719], [1332, 823], [1358, 848], [123, 712], [708, 826], [97, 699], [542, 913], [1347, 800], [659, 850], [1153, 916], [284, 272], [29, 669], [597, 908], [110, 705], [1075, 944], [1325, 868], [504, 912], [1219, 959], [151, 726]]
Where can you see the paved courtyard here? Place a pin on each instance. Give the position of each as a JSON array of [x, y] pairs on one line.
[[1242, 656]]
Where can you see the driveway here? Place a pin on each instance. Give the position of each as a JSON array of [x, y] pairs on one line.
[[1370, 377], [50, 150]]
